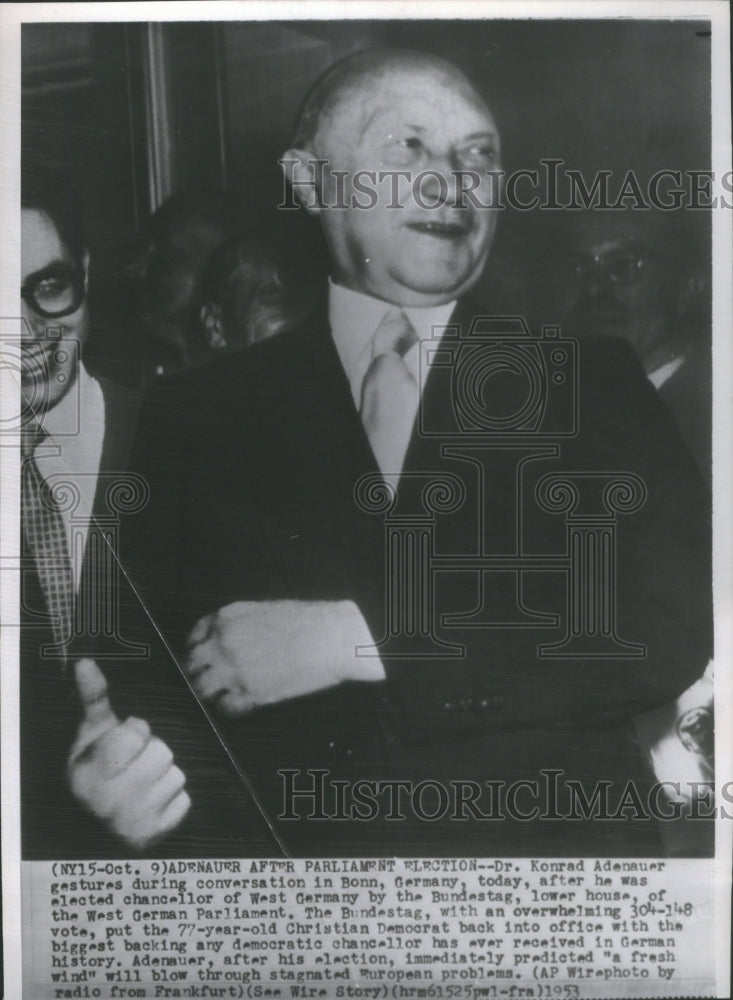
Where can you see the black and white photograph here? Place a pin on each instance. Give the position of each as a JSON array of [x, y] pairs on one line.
[[366, 622]]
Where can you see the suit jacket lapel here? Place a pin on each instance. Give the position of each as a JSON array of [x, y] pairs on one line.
[[121, 407], [100, 577], [318, 453], [437, 416]]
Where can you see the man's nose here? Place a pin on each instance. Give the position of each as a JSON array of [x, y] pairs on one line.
[[33, 326], [597, 283], [439, 183]]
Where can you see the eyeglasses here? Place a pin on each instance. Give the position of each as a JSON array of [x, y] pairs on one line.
[[55, 291], [621, 268]]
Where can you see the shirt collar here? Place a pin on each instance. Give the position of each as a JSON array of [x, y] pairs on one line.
[[354, 317], [660, 375], [84, 397]]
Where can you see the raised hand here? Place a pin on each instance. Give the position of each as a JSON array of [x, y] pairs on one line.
[[120, 771]]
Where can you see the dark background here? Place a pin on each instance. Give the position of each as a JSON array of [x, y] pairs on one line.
[[138, 111]]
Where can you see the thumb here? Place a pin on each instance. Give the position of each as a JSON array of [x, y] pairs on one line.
[[91, 685]]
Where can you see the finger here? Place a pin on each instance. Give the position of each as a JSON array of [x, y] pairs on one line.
[[194, 672], [201, 631], [211, 684], [174, 813], [241, 609], [168, 787], [198, 657], [139, 726], [146, 828], [118, 749], [150, 765], [91, 685], [151, 819], [127, 794], [234, 704], [102, 775]]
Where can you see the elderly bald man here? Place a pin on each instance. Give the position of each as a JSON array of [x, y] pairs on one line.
[[264, 555]]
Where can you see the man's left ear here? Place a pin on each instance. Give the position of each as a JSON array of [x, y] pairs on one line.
[[303, 172], [85, 268]]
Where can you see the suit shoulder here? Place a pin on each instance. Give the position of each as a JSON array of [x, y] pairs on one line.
[[609, 367], [121, 401], [229, 372], [235, 383], [122, 404], [611, 354]]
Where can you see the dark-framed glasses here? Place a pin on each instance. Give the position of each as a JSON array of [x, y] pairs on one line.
[[621, 267], [55, 291]]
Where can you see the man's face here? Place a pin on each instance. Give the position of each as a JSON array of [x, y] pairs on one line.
[[619, 284], [50, 346], [434, 246]]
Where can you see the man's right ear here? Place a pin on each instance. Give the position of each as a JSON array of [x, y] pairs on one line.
[[303, 172]]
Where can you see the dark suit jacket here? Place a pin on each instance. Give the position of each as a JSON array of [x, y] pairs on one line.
[[253, 464], [52, 826], [688, 394], [144, 681]]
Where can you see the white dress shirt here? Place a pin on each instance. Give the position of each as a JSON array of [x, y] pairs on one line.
[[73, 452], [660, 375], [354, 318]]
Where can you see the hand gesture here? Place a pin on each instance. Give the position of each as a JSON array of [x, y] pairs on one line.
[[119, 771]]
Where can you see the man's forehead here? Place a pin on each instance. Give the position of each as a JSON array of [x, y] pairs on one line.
[[36, 222], [602, 236], [39, 238], [420, 90]]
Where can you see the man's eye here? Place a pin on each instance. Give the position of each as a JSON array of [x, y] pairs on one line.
[[408, 149], [478, 153], [51, 287], [403, 151]]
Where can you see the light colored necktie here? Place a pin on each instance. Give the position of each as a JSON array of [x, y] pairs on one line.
[[389, 393], [45, 537]]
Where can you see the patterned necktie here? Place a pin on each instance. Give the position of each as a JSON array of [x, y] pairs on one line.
[[45, 538], [389, 393]]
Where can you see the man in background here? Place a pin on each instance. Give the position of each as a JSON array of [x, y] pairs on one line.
[[634, 276], [182, 234]]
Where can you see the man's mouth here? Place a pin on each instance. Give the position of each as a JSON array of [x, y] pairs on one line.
[[607, 316], [602, 311], [441, 230], [36, 360]]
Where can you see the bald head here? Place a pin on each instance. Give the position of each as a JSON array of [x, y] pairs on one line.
[[343, 83], [384, 143]]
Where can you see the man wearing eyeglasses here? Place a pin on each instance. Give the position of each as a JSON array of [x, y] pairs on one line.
[[58, 391], [75, 436], [627, 277]]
